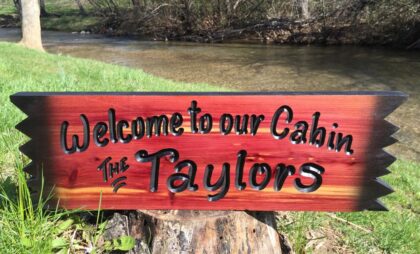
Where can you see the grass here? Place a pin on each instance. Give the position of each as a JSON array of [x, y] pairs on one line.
[[29, 228], [21, 69], [395, 231], [70, 23], [25, 226], [7, 9], [64, 16]]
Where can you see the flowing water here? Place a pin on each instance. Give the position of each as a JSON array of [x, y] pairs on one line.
[[264, 68]]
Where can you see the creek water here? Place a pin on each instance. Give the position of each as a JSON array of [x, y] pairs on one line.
[[263, 68]]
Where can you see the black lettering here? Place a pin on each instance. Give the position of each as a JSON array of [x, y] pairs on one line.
[[277, 114], [120, 126], [103, 167], [222, 125], [75, 147], [143, 156], [331, 137], [206, 123], [347, 140], [255, 123], [123, 165], [298, 136], [262, 168], [315, 131], [99, 132], [118, 183], [239, 184], [172, 187], [137, 128], [222, 183], [282, 172], [111, 123], [159, 123], [113, 169], [313, 171], [187, 180], [109, 169], [239, 130], [193, 111], [176, 122]]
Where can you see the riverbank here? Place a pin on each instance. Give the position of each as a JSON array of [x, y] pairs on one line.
[[383, 24]]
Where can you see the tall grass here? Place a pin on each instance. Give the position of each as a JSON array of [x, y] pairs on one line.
[[28, 227], [25, 226]]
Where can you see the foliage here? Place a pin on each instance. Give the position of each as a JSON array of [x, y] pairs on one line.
[[240, 12], [351, 21]]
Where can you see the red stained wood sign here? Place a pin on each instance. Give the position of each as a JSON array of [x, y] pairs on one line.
[[210, 151]]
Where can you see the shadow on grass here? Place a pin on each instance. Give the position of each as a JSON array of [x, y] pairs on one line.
[[8, 188]]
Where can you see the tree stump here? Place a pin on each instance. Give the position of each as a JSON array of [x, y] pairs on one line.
[[179, 231]]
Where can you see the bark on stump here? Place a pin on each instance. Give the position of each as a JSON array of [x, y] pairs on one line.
[[198, 231]]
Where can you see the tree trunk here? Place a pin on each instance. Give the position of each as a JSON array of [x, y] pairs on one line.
[[136, 9], [186, 17], [17, 5], [31, 25], [303, 7], [198, 232], [81, 8], [136, 3], [44, 12]]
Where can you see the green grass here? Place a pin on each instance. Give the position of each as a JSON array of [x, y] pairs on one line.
[[69, 23], [395, 231], [24, 228], [64, 16], [7, 9]]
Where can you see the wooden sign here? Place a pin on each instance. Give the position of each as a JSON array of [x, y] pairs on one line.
[[210, 151]]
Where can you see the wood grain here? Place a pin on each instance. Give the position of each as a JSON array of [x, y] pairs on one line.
[[349, 183]]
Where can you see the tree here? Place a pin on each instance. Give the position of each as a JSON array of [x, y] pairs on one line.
[[44, 12], [303, 8], [17, 6], [31, 25], [81, 8], [136, 3]]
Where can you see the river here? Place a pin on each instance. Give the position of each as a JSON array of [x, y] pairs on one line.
[[263, 68]]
